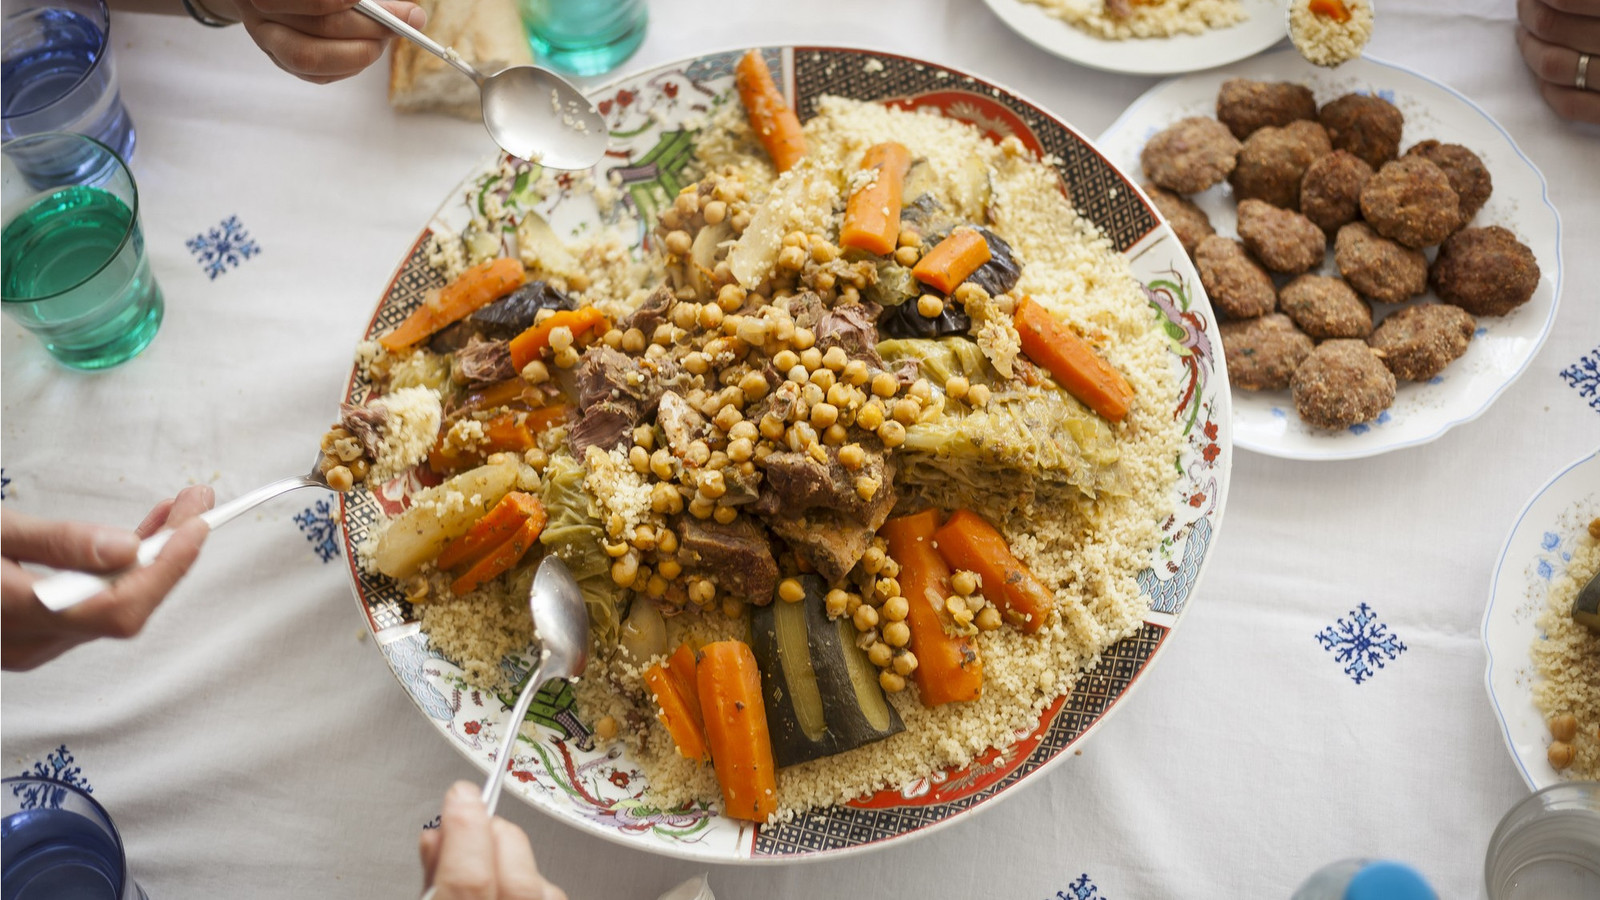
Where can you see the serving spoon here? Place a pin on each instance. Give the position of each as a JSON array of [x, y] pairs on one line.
[[67, 588], [531, 112], [561, 622]]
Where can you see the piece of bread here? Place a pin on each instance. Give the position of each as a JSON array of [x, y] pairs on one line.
[[487, 33]]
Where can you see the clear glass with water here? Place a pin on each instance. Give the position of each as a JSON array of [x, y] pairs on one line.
[[1547, 846], [57, 73], [584, 37], [57, 843]]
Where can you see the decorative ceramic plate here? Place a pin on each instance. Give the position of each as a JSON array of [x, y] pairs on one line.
[[1265, 421], [1536, 552], [1265, 26], [653, 116]]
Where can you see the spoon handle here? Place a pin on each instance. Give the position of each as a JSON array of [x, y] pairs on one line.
[[376, 13], [491, 788]]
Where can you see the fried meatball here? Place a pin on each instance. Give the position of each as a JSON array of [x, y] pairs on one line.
[[1282, 239], [1341, 384], [1410, 200], [1325, 307], [1417, 342], [1245, 106], [1485, 271], [1330, 194], [1238, 287], [1273, 161], [1190, 155], [1378, 267], [1262, 353], [1189, 222], [1469, 177], [1365, 125]]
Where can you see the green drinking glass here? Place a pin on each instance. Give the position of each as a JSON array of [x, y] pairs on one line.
[[584, 37], [73, 267]]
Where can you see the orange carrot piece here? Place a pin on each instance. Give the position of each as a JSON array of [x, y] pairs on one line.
[[774, 123], [948, 667], [736, 728], [952, 260], [526, 347], [966, 541], [1330, 9], [1081, 371], [680, 665], [872, 215], [477, 287], [501, 393], [676, 713], [495, 528], [505, 433], [501, 558]]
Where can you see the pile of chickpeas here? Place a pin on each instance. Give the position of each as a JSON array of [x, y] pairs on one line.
[[834, 407], [344, 461]]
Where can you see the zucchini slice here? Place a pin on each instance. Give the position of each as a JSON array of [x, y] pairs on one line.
[[820, 691]]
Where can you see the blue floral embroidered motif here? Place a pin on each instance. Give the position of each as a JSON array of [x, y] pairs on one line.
[[222, 247], [56, 766], [1361, 643], [4, 483], [1584, 377], [316, 523], [1081, 889]]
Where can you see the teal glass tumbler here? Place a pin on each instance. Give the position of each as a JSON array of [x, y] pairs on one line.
[[73, 266], [584, 37]]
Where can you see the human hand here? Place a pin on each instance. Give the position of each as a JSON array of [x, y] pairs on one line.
[[1560, 41], [473, 857], [317, 40], [31, 635]]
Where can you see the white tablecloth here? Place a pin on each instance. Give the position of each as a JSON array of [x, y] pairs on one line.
[[253, 744]]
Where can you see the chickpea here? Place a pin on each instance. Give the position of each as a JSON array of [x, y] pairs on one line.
[[730, 297], [727, 417], [865, 617], [794, 239], [964, 582], [906, 411], [930, 306], [955, 603], [836, 358], [872, 561], [835, 603], [639, 458], [625, 570], [896, 608], [1564, 727], [978, 395], [885, 385], [1561, 754], [852, 457], [661, 464], [880, 654], [740, 449], [839, 394], [560, 338], [667, 544], [745, 430], [341, 479], [740, 221], [886, 587], [801, 435], [855, 372], [701, 507], [712, 484], [536, 372], [566, 359], [724, 515], [811, 358], [678, 242], [905, 662], [791, 258], [988, 618], [921, 391], [897, 634], [606, 728], [871, 415], [772, 427], [907, 256], [804, 339], [612, 338], [715, 212], [892, 682], [663, 335], [753, 385], [645, 437], [891, 569], [893, 434], [967, 292], [867, 486], [535, 458], [824, 251], [956, 386], [824, 414], [908, 237], [633, 341]]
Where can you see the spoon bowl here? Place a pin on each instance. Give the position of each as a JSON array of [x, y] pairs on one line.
[[531, 112]]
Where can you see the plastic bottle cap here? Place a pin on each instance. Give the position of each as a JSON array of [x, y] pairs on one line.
[[1388, 881]]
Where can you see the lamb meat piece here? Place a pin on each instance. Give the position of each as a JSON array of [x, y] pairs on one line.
[[608, 374], [853, 327], [681, 423], [832, 541], [737, 555], [741, 488], [607, 425], [806, 308], [817, 507], [652, 312], [482, 363], [779, 402], [364, 424]]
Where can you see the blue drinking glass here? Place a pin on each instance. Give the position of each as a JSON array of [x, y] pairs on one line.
[[57, 73], [57, 843]]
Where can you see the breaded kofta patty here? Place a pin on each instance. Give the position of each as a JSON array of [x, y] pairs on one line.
[[1417, 342], [1273, 162], [1485, 271], [1262, 353], [1189, 222], [1365, 125], [1469, 177], [1378, 267], [1325, 307], [1282, 239], [1246, 106], [1190, 155], [1237, 285], [1330, 193], [1342, 383], [1410, 200]]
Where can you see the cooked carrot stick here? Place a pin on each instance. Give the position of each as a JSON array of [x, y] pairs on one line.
[[1330, 9], [680, 665], [676, 713], [501, 558], [966, 541], [952, 260], [1081, 371], [872, 216], [501, 393], [478, 286], [736, 729], [948, 667], [774, 123], [495, 528], [526, 347]]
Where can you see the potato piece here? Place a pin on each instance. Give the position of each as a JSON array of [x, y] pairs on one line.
[[436, 517]]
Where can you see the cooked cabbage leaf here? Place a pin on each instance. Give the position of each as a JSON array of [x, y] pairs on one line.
[[575, 536]]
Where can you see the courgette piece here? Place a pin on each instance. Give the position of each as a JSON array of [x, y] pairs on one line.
[[1586, 610], [820, 691]]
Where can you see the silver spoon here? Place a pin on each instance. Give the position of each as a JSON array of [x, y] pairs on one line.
[[561, 622], [532, 113], [67, 588]]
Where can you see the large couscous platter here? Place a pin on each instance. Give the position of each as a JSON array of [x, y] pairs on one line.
[[888, 447]]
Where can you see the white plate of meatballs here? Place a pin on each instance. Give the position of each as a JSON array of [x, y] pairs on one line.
[[1384, 259]]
